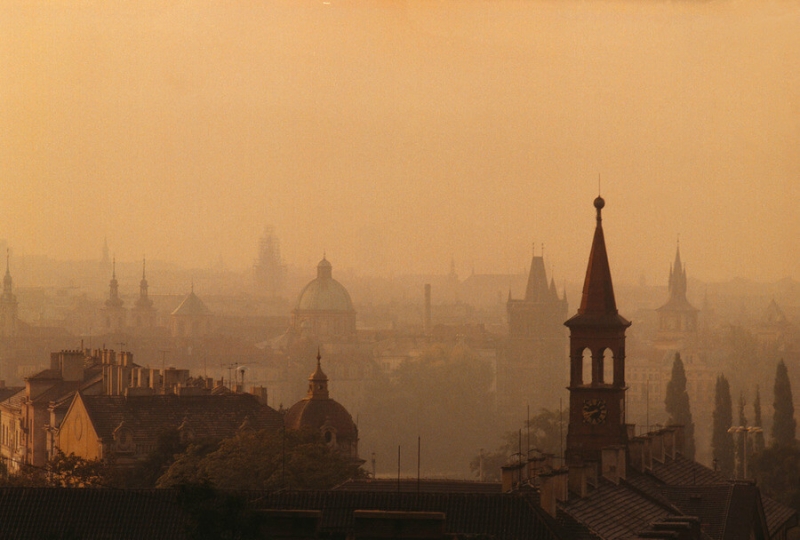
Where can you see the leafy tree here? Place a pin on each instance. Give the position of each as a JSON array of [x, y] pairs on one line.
[[677, 405], [759, 436], [263, 460], [213, 515], [74, 471], [783, 423], [722, 441]]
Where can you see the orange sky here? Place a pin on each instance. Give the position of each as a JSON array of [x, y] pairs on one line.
[[395, 135]]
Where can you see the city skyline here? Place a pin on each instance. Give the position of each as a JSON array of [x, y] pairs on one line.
[[398, 136]]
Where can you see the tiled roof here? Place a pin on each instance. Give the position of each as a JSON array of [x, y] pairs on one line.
[[501, 516], [214, 416], [777, 514], [90, 514], [614, 511], [8, 391], [683, 471], [426, 485]]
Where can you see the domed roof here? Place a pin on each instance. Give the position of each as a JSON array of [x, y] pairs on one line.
[[318, 409], [324, 293]]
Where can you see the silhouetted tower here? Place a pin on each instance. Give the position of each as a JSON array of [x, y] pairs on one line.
[[269, 270], [597, 361], [8, 304], [114, 312], [144, 314], [677, 319], [535, 367]]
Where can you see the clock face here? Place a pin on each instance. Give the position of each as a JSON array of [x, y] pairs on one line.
[[594, 411]]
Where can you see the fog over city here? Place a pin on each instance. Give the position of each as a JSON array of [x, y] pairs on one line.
[[398, 135]]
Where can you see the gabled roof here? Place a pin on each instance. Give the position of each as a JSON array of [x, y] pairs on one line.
[[191, 306], [211, 415]]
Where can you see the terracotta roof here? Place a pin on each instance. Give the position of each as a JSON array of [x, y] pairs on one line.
[[614, 511], [90, 514], [501, 516], [213, 416]]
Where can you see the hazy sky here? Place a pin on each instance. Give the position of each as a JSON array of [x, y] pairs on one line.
[[395, 135]]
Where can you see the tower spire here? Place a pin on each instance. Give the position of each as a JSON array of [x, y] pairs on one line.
[[598, 290]]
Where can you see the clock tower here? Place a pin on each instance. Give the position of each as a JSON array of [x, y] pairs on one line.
[[597, 361]]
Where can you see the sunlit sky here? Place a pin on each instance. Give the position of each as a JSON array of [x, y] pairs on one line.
[[395, 135]]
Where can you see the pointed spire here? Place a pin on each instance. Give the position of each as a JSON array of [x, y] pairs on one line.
[[114, 268], [598, 291], [7, 282]]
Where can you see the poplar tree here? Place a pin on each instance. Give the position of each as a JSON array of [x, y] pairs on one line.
[[758, 445], [721, 440], [783, 423], [677, 405]]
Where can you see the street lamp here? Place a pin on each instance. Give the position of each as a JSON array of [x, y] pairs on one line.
[[744, 431]]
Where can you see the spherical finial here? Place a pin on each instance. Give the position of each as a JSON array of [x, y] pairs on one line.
[[599, 203]]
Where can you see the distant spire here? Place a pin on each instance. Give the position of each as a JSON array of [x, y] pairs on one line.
[[114, 268], [113, 287], [7, 283]]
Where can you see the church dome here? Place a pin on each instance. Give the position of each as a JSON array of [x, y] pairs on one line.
[[318, 412], [324, 293]]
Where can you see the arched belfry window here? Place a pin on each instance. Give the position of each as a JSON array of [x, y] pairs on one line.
[[608, 366], [586, 366]]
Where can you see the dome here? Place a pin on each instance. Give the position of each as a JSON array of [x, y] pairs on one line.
[[317, 411], [324, 293], [191, 306]]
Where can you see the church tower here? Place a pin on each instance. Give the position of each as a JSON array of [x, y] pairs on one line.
[[113, 312], [597, 360], [677, 319], [8, 305], [534, 366], [144, 314]]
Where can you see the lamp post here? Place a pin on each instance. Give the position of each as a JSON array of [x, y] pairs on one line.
[[744, 431]]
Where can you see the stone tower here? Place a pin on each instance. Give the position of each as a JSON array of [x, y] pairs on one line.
[[597, 360], [535, 366]]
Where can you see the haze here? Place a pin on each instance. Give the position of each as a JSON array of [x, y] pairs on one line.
[[396, 135]]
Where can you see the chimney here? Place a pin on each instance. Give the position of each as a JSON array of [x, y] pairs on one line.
[[71, 365], [553, 488], [613, 463], [669, 442], [512, 476], [427, 309], [647, 452], [636, 453], [577, 480], [658, 446]]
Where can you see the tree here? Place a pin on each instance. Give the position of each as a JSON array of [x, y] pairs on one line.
[[677, 405], [783, 423], [263, 460], [722, 441], [759, 437]]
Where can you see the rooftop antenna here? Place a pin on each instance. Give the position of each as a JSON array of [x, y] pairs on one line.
[[419, 455], [561, 428], [528, 423]]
